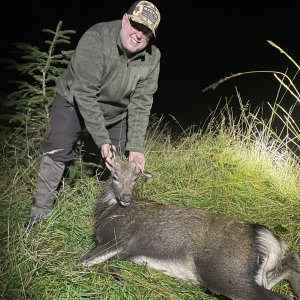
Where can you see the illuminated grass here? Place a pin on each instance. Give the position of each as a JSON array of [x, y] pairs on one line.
[[234, 166]]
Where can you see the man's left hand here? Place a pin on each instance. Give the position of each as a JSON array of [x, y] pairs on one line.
[[138, 157]]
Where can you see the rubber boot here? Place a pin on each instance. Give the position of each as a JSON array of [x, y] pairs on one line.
[[50, 175]]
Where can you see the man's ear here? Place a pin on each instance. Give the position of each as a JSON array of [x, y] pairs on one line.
[[124, 19]]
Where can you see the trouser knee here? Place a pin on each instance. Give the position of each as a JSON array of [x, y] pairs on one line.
[[49, 177]]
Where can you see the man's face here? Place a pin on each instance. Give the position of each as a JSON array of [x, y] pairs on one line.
[[134, 36]]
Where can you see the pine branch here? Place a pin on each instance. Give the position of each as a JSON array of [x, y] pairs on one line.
[[37, 70]]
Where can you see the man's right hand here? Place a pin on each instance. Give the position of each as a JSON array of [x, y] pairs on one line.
[[107, 155]]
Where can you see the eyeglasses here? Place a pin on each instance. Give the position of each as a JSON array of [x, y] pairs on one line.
[[140, 27]]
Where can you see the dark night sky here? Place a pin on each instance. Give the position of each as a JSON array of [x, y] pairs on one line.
[[199, 43]]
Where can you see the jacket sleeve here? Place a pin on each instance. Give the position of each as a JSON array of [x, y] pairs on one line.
[[139, 108], [88, 64]]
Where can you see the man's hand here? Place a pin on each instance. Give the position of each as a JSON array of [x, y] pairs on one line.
[[107, 155], [138, 157]]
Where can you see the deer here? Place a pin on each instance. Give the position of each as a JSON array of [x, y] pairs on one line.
[[231, 257]]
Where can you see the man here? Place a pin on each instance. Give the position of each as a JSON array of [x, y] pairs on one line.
[[108, 88]]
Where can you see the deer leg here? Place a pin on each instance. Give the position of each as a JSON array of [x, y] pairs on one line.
[[290, 271], [99, 254], [291, 266]]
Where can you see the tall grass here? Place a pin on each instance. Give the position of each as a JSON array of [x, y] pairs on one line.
[[234, 165], [285, 115]]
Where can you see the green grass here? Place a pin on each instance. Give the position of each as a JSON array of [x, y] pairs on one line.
[[234, 166]]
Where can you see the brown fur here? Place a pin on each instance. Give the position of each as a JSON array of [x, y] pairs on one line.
[[235, 258]]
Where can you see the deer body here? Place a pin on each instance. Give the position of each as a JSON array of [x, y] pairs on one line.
[[235, 258]]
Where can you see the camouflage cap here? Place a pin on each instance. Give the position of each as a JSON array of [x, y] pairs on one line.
[[146, 13]]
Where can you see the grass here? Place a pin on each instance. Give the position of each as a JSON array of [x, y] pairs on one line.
[[234, 166]]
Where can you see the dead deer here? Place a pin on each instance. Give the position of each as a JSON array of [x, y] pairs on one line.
[[235, 258]]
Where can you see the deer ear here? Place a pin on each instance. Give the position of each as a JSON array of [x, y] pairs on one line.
[[133, 167], [147, 174], [116, 164], [143, 172], [116, 161]]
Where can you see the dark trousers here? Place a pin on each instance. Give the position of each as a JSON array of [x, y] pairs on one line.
[[67, 124]]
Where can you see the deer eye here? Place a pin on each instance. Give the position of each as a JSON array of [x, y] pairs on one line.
[[115, 178]]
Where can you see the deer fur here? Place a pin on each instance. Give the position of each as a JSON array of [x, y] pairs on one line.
[[232, 257]]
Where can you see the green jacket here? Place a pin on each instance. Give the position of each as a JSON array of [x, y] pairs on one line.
[[108, 87]]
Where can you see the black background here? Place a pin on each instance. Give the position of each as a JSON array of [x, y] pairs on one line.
[[200, 42]]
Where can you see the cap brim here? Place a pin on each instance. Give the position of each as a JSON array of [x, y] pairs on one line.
[[138, 20]]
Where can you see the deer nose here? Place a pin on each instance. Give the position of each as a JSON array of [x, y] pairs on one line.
[[125, 199]]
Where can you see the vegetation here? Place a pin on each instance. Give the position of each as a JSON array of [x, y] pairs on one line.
[[235, 164], [27, 107]]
